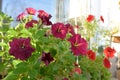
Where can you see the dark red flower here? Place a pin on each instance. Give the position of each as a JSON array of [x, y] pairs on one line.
[[45, 17], [102, 19], [78, 45], [65, 79], [21, 48], [31, 23], [109, 52], [20, 16], [91, 55], [90, 18], [47, 58], [31, 11], [106, 63], [70, 29], [59, 30]]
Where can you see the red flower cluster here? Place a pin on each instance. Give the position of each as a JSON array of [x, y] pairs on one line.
[[47, 58], [78, 45], [42, 15], [91, 55], [106, 63], [109, 53], [90, 18], [21, 48]]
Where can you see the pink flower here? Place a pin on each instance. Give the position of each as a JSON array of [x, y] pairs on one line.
[[90, 18], [109, 52], [78, 45], [31, 11], [31, 23], [91, 55], [21, 48], [106, 63], [102, 19], [59, 30], [20, 16], [45, 17], [47, 58], [76, 70], [70, 29]]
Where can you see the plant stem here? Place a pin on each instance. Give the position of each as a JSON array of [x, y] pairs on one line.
[[2, 41]]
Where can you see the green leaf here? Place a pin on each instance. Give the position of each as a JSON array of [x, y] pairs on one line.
[[12, 32], [32, 73], [11, 76], [1, 53], [2, 44], [53, 52], [21, 68], [26, 33], [39, 33], [2, 67], [15, 62], [22, 64], [25, 78]]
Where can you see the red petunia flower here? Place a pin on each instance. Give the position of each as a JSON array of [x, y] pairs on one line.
[[106, 63], [59, 30], [21, 48], [78, 45], [47, 58], [109, 52], [91, 55], [76, 70], [20, 16], [70, 29], [31, 11], [90, 18], [102, 19], [31, 23], [45, 17]]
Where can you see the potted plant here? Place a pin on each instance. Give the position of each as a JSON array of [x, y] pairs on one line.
[[37, 49]]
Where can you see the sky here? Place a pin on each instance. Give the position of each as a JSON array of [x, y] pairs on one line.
[[15, 7]]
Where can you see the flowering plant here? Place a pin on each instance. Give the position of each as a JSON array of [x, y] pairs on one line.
[[37, 49]]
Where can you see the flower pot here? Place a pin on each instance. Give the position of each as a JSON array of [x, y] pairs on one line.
[[115, 39], [118, 74]]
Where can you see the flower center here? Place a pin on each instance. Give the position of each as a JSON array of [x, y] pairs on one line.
[[76, 45], [22, 46], [58, 30]]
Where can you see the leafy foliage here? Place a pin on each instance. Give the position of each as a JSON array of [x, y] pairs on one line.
[[34, 68]]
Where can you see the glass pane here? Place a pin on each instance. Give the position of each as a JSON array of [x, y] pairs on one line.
[[15, 7]]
